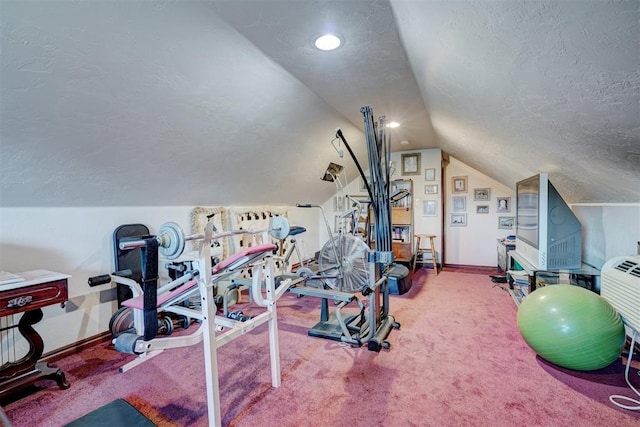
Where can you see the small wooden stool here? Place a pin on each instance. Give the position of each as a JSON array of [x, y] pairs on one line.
[[432, 249]]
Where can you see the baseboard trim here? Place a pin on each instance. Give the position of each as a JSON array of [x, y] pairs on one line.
[[76, 347], [478, 269]]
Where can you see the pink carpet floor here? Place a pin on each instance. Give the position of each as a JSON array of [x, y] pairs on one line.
[[457, 360]]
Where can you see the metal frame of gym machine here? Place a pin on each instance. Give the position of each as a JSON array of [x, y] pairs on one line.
[[374, 328]]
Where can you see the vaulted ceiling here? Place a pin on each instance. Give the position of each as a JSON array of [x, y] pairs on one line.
[[155, 103]]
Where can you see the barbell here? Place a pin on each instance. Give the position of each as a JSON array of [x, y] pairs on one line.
[[171, 239]]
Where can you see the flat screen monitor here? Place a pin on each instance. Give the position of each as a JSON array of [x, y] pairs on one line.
[[548, 234]]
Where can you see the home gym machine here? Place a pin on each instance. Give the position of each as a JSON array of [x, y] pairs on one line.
[[348, 266], [214, 331]]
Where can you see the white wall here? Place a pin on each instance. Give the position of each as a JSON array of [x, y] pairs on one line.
[[608, 230], [474, 243], [78, 241]]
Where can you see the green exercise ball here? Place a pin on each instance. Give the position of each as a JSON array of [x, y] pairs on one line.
[[571, 327]]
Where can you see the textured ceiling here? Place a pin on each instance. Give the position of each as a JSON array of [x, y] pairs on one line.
[[520, 87], [186, 103]]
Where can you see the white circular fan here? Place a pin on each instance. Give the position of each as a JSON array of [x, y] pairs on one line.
[[352, 252]]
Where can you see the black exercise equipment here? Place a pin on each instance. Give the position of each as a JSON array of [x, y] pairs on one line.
[[127, 260]]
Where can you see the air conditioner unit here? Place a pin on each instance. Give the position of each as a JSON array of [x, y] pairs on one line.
[[620, 286]]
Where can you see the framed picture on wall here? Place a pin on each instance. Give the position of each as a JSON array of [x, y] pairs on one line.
[[429, 208], [481, 194], [482, 209], [430, 174], [459, 203], [431, 189], [459, 184], [458, 220], [506, 222], [411, 164], [504, 204]]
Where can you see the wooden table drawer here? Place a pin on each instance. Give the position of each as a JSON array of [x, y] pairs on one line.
[[33, 297]]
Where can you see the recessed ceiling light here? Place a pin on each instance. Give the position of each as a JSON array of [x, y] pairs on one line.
[[404, 142], [328, 42], [393, 125]]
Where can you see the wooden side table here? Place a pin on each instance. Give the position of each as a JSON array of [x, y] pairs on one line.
[[37, 289]]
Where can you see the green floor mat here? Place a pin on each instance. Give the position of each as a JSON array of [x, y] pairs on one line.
[[118, 413]]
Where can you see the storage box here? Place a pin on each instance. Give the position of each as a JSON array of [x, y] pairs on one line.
[[399, 280]]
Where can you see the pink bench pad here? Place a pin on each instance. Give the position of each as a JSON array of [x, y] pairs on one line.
[[137, 302], [253, 250]]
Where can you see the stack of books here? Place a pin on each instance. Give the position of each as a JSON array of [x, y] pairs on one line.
[[520, 282]]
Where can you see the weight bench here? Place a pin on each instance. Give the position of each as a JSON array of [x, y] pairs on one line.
[[223, 269], [167, 301], [178, 294], [215, 330]]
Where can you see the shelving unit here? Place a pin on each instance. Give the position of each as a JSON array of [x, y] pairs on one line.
[[402, 222], [530, 278]]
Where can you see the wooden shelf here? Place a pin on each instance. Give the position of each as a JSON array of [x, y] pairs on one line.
[[402, 223], [586, 277]]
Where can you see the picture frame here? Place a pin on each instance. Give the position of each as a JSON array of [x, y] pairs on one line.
[[459, 184], [506, 222], [458, 220], [482, 194], [411, 164], [429, 208], [482, 209], [459, 203], [503, 204], [431, 189], [430, 174]]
